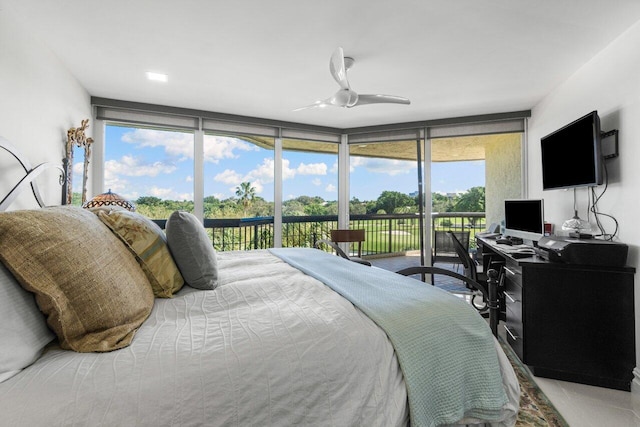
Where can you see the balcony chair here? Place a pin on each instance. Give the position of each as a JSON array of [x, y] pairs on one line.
[[346, 236], [444, 249]]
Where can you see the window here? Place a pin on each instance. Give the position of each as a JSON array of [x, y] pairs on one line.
[[309, 178], [384, 194], [150, 159], [309, 191], [151, 167], [239, 184], [238, 176]]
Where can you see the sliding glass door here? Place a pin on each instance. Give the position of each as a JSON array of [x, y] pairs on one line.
[[386, 196]]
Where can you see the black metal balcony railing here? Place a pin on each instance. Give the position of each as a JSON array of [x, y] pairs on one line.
[[385, 234]]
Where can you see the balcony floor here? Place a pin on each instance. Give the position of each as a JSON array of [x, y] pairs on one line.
[[412, 259]]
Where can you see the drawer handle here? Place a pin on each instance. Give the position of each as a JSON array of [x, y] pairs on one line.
[[509, 297], [513, 273], [513, 336]]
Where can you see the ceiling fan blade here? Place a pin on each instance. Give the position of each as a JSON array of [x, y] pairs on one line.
[[317, 104], [345, 98], [381, 99], [338, 69]]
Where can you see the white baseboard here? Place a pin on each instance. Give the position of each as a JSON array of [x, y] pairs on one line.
[[635, 384]]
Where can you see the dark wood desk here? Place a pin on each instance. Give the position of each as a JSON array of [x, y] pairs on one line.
[[568, 322]]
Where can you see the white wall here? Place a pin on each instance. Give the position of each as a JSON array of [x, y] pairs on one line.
[[39, 100], [609, 83]]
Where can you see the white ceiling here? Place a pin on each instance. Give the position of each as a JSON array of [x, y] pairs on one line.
[[265, 58]]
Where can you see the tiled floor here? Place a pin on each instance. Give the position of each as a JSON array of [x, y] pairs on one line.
[[587, 406], [580, 405]]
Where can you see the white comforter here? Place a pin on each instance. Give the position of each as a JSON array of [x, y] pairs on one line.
[[269, 346]]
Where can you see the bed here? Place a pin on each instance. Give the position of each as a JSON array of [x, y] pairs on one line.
[[101, 332]]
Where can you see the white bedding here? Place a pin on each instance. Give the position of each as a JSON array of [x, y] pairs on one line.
[[269, 346]]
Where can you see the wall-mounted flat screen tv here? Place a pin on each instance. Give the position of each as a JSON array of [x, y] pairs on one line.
[[572, 155]]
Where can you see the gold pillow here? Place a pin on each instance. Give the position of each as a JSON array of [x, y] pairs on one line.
[[148, 243], [91, 289]]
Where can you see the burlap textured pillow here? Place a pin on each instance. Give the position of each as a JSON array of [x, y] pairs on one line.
[[91, 289], [148, 243]]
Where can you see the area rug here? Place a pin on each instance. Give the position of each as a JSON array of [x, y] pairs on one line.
[[535, 408]]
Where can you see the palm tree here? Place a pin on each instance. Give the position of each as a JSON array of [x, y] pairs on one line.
[[246, 193]]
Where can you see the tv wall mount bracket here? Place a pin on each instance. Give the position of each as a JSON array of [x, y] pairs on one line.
[[611, 154]]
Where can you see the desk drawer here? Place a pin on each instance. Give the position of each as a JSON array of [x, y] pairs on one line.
[[512, 291], [514, 329], [513, 273]]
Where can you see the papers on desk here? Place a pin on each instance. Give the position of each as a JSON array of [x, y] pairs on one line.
[[516, 251]]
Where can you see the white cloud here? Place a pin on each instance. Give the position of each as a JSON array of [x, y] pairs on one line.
[[132, 166], [258, 186], [117, 185], [265, 171], [330, 188], [384, 166], [77, 172], [169, 194], [233, 178], [78, 168], [221, 147], [316, 181], [189, 178], [174, 143], [312, 169], [334, 168], [228, 176]]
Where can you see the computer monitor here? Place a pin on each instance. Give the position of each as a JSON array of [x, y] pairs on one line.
[[524, 218]]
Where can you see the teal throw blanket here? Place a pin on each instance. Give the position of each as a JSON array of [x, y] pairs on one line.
[[445, 348]]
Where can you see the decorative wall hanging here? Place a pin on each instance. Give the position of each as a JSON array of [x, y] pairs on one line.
[[77, 137]]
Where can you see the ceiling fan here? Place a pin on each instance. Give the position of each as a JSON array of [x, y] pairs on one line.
[[346, 97]]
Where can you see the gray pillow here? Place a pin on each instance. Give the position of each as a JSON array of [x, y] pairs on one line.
[[192, 250], [23, 328]]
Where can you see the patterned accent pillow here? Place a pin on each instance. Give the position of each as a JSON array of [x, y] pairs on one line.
[[92, 291], [148, 243]]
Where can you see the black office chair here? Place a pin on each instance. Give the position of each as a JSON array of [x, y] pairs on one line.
[[488, 290], [469, 265], [470, 271]]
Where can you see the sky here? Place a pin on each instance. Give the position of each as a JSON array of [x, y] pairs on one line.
[[146, 162]]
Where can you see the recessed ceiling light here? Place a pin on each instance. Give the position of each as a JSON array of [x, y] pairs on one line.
[[157, 77]]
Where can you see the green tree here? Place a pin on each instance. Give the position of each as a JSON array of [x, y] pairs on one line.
[[246, 193], [260, 207], [390, 200], [293, 208], [471, 201], [441, 203], [149, 201], [356, 207]]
